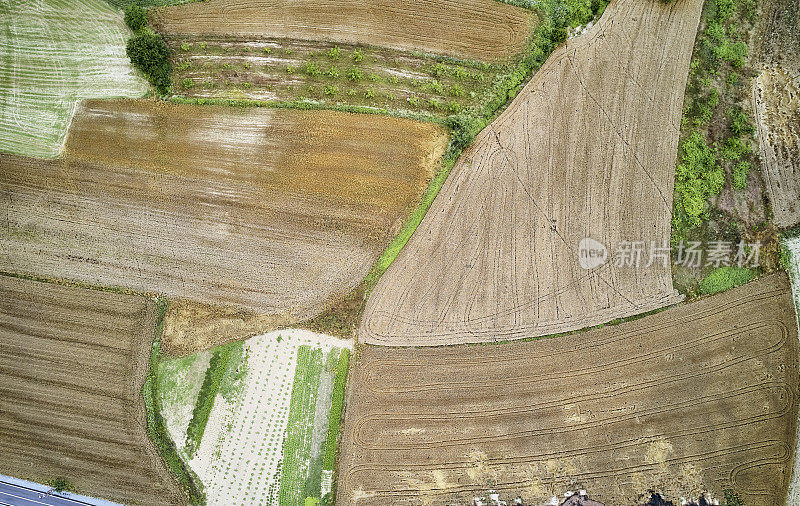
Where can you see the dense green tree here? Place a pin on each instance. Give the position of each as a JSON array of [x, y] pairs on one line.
[[135, 17]]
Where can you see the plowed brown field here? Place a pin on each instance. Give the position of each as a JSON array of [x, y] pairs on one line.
[[587, 150], [475, 29], [697, 398], [72, 366], [276, 211]]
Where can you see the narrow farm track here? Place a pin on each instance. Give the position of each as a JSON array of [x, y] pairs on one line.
[[586, 150], [696, 398], [275, 211], [474, 29], [72, 366], [52, 54]]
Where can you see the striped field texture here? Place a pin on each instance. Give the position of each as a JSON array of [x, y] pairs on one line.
[[52, 54]]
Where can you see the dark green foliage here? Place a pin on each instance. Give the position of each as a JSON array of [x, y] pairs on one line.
[[135, 17], [61, 484], [335, 414], [740, 124], [148, 52], [732, 498]]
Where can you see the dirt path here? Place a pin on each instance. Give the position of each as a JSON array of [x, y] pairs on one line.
[[472, 29], [587, 150], [696, 398]]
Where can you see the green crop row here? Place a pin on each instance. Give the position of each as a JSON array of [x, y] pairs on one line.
[[300, 425], [335, 415], [216, 373]]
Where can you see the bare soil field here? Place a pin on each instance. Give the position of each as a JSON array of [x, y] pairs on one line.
[[701, 397], [776, 102], [472, 29], [72, 366], [275, 211], [586, 150]]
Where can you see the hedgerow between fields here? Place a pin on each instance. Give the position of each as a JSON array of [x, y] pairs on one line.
[[716, 133]]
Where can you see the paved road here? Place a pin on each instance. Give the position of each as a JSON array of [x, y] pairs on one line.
[[18, 495]]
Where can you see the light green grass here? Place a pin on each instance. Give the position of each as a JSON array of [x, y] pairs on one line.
[[52, 54], [725, 278], [300, 426]]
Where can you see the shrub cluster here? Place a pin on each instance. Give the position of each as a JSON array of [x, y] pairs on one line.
[[147, 50]]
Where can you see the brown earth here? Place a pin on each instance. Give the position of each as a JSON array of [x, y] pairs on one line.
[[586, 150], [473, 29], [776, 102], [701, 397], [278, 212], [72, 366]]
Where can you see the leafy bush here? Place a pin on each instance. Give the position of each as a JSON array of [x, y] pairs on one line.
[[187, 83], [331, 90], [61, 484], [739, 175], [725, 278], [698, 177], [333, 72], [335, 53], [370, 93], [355, 74], [135, 17], [358, 56], [148, 52], [186, 46], [311, 69], [740, 124]]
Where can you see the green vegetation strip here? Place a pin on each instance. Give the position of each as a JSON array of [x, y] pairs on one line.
[[218, 368], [716, 133], [156, 427], [335, 415], [300, 426]]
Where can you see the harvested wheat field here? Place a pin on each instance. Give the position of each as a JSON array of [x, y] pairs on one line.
[[275, 211], [586, 150], [701, 397], [776, 100], [473, 29], [72, 366]]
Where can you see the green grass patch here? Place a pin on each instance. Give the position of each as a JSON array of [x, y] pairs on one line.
[[156, 428], [335, 415], [223, 359], [725, 278], [300, 426]]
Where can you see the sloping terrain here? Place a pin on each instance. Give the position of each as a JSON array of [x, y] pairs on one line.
[[471, 29], [700, 397], [586, 150], [52, 54], [72, 366], [276, 211]]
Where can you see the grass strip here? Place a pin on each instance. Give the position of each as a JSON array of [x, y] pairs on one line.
[[335, 415], [156, 427], [215, 374], [300, 425]]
